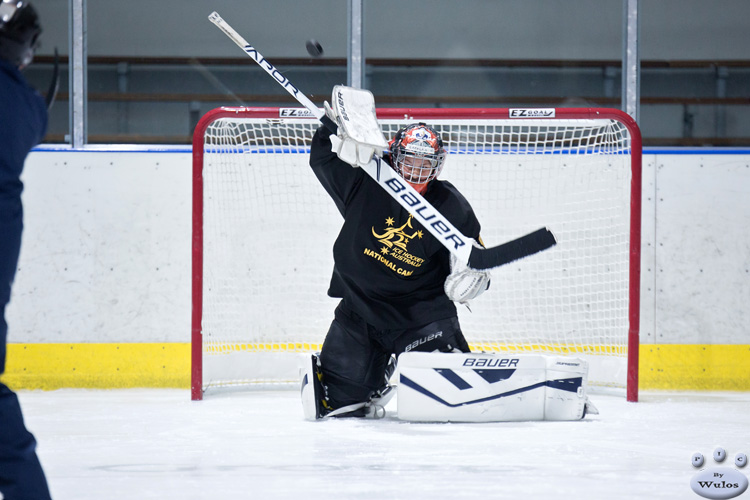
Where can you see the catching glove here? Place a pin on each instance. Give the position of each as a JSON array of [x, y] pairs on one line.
[[359, 136], [347, 149]]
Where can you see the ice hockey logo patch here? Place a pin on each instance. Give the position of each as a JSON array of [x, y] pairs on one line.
[[393, 251], [396, 236]]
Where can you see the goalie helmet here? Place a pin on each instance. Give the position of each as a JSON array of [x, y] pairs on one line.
[[19, 32], [417, 153]]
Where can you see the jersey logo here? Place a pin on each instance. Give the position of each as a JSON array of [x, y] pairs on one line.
[[394, 253], [396, 236]]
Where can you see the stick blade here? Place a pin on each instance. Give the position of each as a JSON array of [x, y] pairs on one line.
[[488, 258]]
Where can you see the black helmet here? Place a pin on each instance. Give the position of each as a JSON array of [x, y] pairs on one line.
[[19, 32]]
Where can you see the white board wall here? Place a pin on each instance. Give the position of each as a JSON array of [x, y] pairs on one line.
[[700, 272], [105, 255], [106, 249]]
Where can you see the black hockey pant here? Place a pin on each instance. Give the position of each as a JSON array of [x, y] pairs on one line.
[[355, 355]]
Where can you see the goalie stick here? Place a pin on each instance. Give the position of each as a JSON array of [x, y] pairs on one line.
[[439, 226]]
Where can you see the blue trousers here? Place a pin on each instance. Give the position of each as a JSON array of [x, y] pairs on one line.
[[11, 226], [21, 474]]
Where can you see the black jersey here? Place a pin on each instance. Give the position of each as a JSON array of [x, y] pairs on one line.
[[387, 267]]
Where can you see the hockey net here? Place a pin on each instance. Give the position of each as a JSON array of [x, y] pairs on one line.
[[263, 230]]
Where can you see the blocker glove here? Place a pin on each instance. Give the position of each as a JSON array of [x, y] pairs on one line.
[[464, 284]]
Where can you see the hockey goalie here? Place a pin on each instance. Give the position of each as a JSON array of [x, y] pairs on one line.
[[398, 287], [408, 250]]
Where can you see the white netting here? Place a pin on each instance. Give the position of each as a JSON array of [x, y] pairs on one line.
[[269, 228]]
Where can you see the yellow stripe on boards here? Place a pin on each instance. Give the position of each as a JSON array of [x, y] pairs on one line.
[[108, 366], [97, 366], [563, 349], [226, 347], [695, 367]]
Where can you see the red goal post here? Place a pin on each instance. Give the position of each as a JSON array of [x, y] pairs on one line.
[[263, 230]]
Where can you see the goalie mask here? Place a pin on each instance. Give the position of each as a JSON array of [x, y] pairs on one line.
[[417, 153], [19, 32]]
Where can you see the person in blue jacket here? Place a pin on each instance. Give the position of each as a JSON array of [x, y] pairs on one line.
[[23, 124]]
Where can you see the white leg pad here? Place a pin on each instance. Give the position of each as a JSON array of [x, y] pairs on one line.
[[466, 387]]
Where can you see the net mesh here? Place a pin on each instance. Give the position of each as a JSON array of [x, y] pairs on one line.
[[269, 228]]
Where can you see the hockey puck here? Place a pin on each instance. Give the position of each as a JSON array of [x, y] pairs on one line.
[[314, 48]]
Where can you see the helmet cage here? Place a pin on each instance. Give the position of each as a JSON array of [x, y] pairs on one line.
[[417, 153]]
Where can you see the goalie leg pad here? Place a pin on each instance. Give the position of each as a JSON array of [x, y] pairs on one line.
[[465, 387]]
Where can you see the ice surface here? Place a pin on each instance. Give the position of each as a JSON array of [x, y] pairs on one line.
[[157, 444]]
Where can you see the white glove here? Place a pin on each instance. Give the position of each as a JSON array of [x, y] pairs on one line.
[[464, 283], [347, 149], [350, 151]]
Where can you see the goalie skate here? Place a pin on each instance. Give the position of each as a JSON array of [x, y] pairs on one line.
[[374, 408], [315, 402], [313, 393]]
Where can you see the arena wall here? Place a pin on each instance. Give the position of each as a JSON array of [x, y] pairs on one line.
[[102, 294]]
